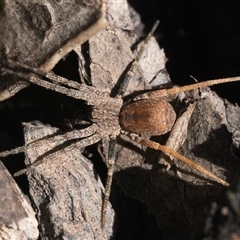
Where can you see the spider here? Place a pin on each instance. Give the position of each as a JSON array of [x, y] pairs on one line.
[[149, 113]]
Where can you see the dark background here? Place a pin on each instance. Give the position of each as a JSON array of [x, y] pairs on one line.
[[200, 38]]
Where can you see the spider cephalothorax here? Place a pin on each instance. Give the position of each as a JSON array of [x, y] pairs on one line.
[[106, 115]]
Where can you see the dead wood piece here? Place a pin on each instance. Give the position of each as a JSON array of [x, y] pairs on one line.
[[17, 218], [40, 34], [65, 191], [177, 135]]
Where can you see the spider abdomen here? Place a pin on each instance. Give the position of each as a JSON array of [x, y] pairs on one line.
[[148, 117]]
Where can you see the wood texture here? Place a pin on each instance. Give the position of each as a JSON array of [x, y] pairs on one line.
[[17, 217], [40, 34]]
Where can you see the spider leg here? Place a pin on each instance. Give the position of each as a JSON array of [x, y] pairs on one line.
[[129, 74], [75, 134], [77, 143], [175, 154], [58, 84], [177, 136], [157, 94], [111, 164], [21, 67]]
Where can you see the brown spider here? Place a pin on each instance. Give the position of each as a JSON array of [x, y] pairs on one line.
[[149, 113]]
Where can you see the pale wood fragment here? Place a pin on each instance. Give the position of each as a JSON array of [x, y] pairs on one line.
[[17, 218]]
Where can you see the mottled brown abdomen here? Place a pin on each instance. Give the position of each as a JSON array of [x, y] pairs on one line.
[[149, 117]]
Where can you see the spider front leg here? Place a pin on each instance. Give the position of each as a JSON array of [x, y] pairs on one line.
[[56, 83]]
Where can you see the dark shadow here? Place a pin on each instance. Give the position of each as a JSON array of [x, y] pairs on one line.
[[133, 218]]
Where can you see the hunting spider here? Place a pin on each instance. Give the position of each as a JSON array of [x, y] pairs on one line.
[[149, 113]]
